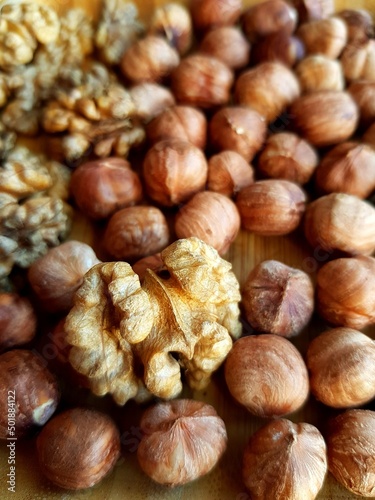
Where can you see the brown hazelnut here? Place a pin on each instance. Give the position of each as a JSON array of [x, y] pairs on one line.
[[182, 441], [336, 124], [267, 375], [350, 447], [173, 21], [153, 262], [341, 364], [268, 89], [285, 460], [358, 61], [228, 173], [136, 232], [29, 389], [239, 129], [149, 60], [228, 44], [17, 321], [287, 156], [363, 92], [78, 448], [101, 187], [343, 222], [359, 23], [348, 168], [346, 292], [208, 14], [211, 217], [150, 99], [203, 81], [174, 171], [281, 47], [271, 207], [318, 72], [56, 276], [278, 299], [327, 37], [179, 122], [310, 10]]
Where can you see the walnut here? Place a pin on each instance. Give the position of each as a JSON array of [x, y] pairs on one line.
[[126, 337], [7, 141]]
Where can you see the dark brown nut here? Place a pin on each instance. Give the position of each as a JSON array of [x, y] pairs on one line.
[[348, 168], [363, 92], [318, 72], [346, 292], [150, 99], [136, 232], [327, 37], [267, 375], [56, 276], [359, 23], [228, 173], [285, 460], [268, 89], [203, 81], [211, 217], [228, 44], [179, 122], [239, 129], [369, 136], [29, 389], [310, 10], [101, 187], [17, 321], [337, 124], [174, 171], [149, 60], [341, 364], [271, 207], [358, 61], [287, 156], [278, 299], [153, 262], [78, 448], [280, 47], [208, 14]]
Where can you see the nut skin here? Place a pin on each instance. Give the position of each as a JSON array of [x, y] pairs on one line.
[[101, 187], [153, 262], [35, 387], [173, 171], [318, 72], [359, 23], [311, 10], [345, 292], [363, 92], [271, 207], [350, 447], [18, 321], [228, 173], [56, 276], [327, 37], [136, 232], [267, 375], [280, 47], [358, 61], [341, 364], [150, 99], [285, 460], [182, 441], [78, 448], [228, 44], [208, 14], [278, 299]]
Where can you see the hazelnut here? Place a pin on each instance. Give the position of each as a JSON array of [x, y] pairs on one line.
[[34, 390], [208, 14], [78, 448], [268, 89], [278, 299], [285, 460], [327, 37], [228, 173], [287, 156], [182, 441], [280, 47], [363, 92], [348, 168], [350, 448], [57, 275], [173, 21], [203, 81], [179, 122], [17, 321], [341, 363], [228, 44], [310, 10], [318, 72], [101, 187], [174, 171], [149, 60], [239, 129], [136, 232], [337, 123], [211, 217], [150, 99], [271, 207], [343, 222], [153, 262], [359, 23], [346, 292], [358, 61], [267, 375]]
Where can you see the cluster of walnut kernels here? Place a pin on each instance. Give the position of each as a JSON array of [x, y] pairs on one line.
[[130, 332]]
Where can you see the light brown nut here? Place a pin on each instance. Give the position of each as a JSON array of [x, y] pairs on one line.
[[17, 321], [228, 173], [228, 44], [208, 14], [173, 21], [327, 37], [318, 72]]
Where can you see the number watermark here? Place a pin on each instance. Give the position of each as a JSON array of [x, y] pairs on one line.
[[11, 442]]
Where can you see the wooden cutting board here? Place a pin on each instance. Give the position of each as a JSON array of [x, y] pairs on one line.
[[224, 483]]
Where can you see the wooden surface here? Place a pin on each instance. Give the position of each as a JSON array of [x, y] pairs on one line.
[[224, 483]]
